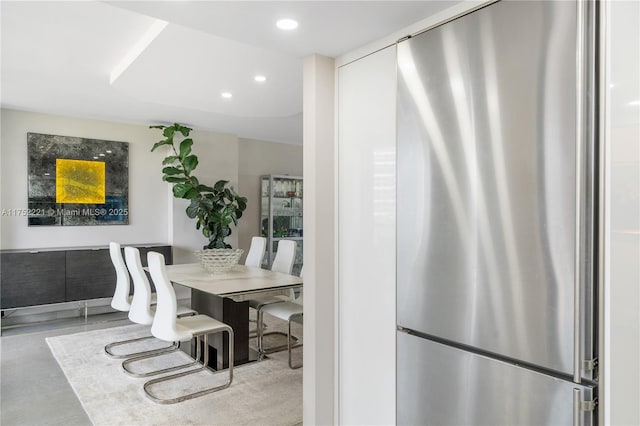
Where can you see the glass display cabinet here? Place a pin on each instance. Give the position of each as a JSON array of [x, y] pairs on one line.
[[281, 214]]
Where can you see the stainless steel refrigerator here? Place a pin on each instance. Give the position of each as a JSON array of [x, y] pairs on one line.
[[496, 306]]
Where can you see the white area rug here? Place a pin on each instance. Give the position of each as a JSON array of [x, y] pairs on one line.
[[262, 393]]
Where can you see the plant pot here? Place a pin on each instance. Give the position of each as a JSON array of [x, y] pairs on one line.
[[219, 260]]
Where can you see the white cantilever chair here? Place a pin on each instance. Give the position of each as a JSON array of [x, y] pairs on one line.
[[286, 311], [166, 326], [285, 257], [141, 310], [283, 262], [121, 300], [254, 259], [256, 252]]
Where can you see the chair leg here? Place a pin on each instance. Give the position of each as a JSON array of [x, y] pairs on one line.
[[254, 333], [128, 362], [181, 398], [108, 348], [260, 326]]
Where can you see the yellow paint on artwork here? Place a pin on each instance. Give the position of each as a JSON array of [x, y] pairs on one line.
[[80, 181]]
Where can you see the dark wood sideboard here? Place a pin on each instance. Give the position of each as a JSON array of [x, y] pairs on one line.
[[41, 277]]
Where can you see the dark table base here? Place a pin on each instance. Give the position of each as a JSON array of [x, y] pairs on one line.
[[235, 314]]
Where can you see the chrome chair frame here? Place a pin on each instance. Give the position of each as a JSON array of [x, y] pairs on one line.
[[204, 366], [289, 346], [107, 349]]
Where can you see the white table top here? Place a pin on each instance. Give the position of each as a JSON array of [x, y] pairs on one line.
[[240, 280]]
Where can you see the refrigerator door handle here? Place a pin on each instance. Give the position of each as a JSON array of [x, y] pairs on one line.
[[577, 413], [580, 132], [579, 406]]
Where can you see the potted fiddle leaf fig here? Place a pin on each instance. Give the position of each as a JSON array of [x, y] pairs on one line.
[[215, 207]]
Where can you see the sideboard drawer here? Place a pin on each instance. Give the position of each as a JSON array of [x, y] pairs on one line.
[[32, 278], [90, 274]]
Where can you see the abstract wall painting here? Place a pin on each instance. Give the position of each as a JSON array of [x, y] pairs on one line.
[[77, 181]]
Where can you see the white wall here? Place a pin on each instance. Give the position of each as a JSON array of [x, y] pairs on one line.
[[148, 202], [367, 239], [319, 378], [622, 239], [259, 158]]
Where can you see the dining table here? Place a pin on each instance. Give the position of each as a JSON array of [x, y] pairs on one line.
[[225, 296]]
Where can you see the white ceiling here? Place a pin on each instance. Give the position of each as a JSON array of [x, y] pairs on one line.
[[57, 58]]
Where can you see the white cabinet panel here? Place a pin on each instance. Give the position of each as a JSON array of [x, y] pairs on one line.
[[622, 238], [366, 229]]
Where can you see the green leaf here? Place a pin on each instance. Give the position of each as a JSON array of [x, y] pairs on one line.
[[172, 171], [195, 182], [170, 159], [160, 143], [185, 148], [205, 188], [168, 132], [242, 204], [219, 186], [174, 179], [183, 129], [206, 203], [218, 243], [191, 194], [180, 189], [192, 209], [190, 163]]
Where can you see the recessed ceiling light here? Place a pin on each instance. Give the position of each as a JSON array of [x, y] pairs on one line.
[[634, 103], [95, 158], [47, 174], [260, 78], [287, 24], [226, 95], [109, 151], [101, 155]]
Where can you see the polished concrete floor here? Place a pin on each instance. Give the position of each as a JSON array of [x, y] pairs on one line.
[[33, 388]]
